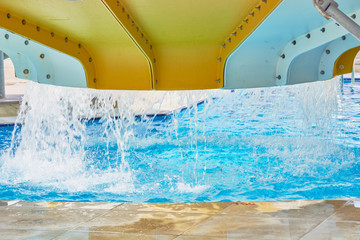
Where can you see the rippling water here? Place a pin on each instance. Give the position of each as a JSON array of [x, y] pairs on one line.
[[293, 142]]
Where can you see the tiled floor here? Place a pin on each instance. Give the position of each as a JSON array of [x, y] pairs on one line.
[[313, 219]]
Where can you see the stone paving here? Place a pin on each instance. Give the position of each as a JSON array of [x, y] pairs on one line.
[[302, 219]]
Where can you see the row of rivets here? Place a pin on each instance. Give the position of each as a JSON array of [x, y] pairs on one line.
[[133, 24], [234, 34], [8, 15], [42, 56], [308, 36]]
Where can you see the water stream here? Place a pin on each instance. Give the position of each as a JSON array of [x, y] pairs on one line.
[[277, 143]]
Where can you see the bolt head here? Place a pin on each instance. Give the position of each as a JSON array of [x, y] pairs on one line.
[[48, 76]]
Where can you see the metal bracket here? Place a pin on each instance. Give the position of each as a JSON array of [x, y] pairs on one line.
[[305, 43], [22, 26], [42, 64], [329, 9], [333, 51]]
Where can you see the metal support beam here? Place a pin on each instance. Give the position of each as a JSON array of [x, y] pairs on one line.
[[2, 76], [329, 9]]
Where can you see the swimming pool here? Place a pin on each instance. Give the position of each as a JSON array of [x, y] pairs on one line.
[[293, 142]]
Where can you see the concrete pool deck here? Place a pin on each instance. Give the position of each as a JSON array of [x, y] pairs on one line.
[[301, 219]]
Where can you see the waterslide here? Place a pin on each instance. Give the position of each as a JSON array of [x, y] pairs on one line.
[[176, 45]]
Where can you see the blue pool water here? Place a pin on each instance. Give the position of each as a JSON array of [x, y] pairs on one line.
[[294, 142]]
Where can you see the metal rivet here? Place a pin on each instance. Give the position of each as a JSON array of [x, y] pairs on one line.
[[8, 15], [156, 81], [142, 35], [123, 9], [343, 37], [282, 56], [26, 71], [38, 29], [218, 81], [246, 21], [337, 24], [117, 3], [240, 27], [90, 60], [322, 29], [26, 42], [79, 45], [147, 41], [353, 16], [66, 40], [229, 40], [128, 16], [7, 36], [150, 47], [52, 34], [279, 77], [327, 51], [219, 59], [94, 80], [154, 60], [341, 66], [264, 1], [137, 29], [322, 72], [223, 46], [258, 8], [294, 42], [48, 76], [23, 22], [252, 14], [321, 2], [234, 34], [42, 56], [133, 23], [308, 35]]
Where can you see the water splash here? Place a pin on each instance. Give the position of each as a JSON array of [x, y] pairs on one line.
[[234, 145]]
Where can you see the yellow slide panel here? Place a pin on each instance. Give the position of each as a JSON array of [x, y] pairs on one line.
[[345, 63], [141, 44]]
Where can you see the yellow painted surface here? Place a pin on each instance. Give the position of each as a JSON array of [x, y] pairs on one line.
[[186, 37], [344, 64]]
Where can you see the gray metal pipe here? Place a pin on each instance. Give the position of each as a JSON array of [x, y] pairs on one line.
[[345, 21], [2, 76]]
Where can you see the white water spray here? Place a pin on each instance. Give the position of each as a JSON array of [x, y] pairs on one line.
[[291, 130]]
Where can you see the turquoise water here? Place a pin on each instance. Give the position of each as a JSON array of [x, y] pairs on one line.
[[294, 142]]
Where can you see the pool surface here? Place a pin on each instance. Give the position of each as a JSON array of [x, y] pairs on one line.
[[281, 143]]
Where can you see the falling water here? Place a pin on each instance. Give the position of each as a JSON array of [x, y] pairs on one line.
[[255, 144]]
